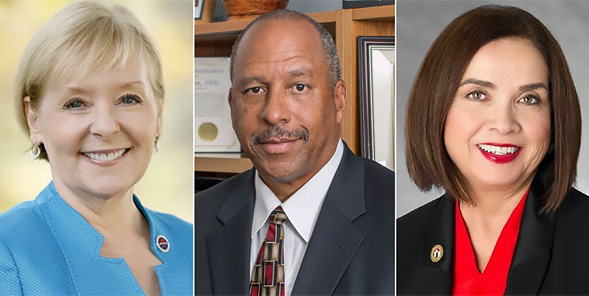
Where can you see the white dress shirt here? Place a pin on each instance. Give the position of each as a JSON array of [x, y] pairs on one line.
[[301, 208]]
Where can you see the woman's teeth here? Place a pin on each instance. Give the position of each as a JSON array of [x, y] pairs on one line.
[[498, 150], [105, 156]]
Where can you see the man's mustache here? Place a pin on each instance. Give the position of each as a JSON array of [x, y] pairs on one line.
[[278, 133]]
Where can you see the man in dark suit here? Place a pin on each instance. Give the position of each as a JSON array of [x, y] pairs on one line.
[[335, 233]]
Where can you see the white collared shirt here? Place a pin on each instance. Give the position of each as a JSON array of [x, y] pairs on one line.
[[301, 208]]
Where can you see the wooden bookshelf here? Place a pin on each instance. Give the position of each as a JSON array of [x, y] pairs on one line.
[[345, 25]]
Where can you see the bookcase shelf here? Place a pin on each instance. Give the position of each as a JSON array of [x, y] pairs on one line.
[[345, 25]]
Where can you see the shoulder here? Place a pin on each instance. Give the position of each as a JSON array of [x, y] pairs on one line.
[[376, 178], [171, 225], [574, 209], [375, 172], [576, 198], [169, 221], [210, 200], [417, 219], [22, 220]]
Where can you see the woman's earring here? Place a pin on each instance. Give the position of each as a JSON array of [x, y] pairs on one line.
[[35, 151], [156, 144]]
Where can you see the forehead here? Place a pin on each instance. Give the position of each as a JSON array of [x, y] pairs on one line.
[[275, 41], [496, 58], [79, 70]]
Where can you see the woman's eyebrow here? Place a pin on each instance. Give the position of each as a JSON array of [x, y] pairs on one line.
[[478, 82], [533, 86]]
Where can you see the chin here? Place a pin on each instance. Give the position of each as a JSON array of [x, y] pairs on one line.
[[281, 173], [109, 187], [499, 180]]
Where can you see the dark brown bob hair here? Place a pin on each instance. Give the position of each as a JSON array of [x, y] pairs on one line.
[[438, 80]]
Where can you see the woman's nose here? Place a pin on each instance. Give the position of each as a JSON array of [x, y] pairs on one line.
[[503, 119], [104, 124]]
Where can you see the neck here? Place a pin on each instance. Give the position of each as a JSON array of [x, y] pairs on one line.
[[111, 214], [492, 202], [284, 189]]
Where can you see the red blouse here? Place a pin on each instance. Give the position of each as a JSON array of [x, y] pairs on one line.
[[493, 280]]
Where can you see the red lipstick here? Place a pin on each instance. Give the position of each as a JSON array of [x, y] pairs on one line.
[[492, 152]]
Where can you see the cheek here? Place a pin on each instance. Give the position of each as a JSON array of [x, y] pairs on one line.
[[141, 125], [243, 118], [461, 124], [539, 129], [60, 131]]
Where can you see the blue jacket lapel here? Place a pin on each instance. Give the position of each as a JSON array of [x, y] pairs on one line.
[[80, 244], [335, 239]]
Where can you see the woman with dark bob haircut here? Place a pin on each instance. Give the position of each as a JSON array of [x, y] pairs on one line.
[[493, 119]]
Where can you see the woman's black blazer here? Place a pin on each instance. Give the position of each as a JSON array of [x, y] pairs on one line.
[[551, 255]]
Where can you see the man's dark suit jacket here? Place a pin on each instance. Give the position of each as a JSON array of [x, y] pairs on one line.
[[551, 254], [351, 250]]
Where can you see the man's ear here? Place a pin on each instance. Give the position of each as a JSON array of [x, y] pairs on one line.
[[230, 98], [32, 120], [340, 97]]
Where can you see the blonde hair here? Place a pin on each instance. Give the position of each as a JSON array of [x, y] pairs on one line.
[[87, 37]]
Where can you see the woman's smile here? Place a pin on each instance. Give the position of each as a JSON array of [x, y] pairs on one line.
[[499, 153], [106, 156]]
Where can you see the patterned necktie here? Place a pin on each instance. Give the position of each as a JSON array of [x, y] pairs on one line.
[[268, 274]]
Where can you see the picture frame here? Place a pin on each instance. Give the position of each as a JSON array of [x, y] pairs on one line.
[[365, 3], [213, 131], [376, 77], [198, 9]]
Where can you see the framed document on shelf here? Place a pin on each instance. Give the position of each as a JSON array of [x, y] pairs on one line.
[[212, 116]]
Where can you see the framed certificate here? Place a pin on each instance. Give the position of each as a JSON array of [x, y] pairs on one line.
[[212, 116]]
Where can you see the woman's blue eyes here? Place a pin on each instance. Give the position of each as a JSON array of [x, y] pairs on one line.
[[74, 103], [130, 99], [78, 103]]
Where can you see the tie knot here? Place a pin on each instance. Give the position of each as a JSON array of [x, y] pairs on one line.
[[277, 216]]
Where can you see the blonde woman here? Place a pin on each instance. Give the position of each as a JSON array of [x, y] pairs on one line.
[[89, 94]]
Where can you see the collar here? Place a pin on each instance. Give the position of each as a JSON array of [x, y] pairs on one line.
[[76, 236], [304, 203]]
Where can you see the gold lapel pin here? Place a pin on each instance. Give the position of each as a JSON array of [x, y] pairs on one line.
[[436, 254]]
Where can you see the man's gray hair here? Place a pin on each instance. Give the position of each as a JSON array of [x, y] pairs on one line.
[[327, 43]]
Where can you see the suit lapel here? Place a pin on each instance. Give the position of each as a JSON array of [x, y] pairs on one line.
[[335, 239], [533, 248], [229, 246], [437, 277]]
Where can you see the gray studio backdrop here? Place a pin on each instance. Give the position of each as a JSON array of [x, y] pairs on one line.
[[419, 23]]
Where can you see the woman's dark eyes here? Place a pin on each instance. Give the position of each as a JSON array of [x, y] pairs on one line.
[[476, 95], [529, 100]]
